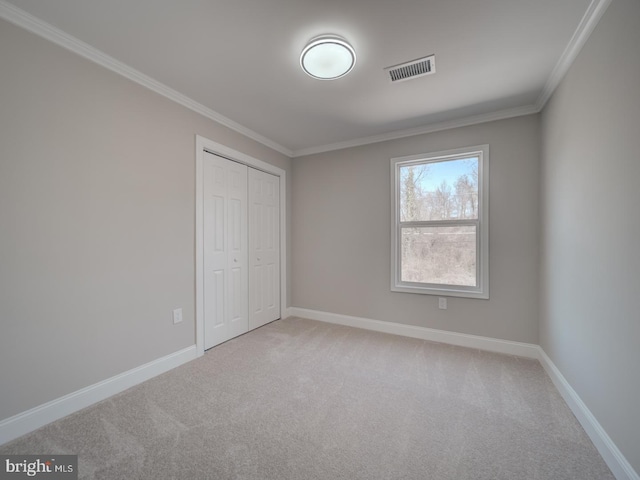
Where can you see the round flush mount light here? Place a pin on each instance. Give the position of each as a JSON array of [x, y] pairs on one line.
[[327, 57]]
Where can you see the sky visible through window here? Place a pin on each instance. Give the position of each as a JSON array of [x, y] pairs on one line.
[[448, 171]]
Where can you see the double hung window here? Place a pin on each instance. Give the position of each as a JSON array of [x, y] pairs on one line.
[[440, 223]]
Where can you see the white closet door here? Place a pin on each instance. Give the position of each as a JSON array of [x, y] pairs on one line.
[[225, 250], [264, 248]]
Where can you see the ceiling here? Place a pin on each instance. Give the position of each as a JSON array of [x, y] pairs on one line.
[[238, 60]]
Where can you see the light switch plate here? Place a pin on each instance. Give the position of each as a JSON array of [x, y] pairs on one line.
[[177, 315], [442, 303]]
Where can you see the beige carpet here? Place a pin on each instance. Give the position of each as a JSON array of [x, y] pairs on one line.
[[299, 399]]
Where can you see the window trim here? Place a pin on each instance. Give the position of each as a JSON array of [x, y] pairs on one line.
[[482, 225]]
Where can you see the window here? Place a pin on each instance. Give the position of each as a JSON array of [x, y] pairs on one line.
[[440, 223]]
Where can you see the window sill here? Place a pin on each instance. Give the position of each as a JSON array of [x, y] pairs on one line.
[[442, 292]]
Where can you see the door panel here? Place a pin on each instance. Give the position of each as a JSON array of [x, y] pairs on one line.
[[225, 250], [264, 248], [217, 290]]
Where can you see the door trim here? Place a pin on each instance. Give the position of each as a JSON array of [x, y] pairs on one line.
[[205, 145]]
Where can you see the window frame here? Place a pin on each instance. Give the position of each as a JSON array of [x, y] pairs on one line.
[[481, 290]]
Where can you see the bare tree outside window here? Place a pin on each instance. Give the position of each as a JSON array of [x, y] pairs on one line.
[[441, 255]]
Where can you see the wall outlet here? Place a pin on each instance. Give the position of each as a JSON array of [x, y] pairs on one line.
[[177, 315], [442, 303]]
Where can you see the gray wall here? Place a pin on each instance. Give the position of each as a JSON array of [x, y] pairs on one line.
[[341, 233], [97, 207], [590, 309]]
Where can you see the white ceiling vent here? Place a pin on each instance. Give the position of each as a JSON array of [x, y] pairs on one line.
[[413, 69]]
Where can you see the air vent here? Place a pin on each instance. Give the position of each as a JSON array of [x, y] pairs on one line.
[[413, 69]]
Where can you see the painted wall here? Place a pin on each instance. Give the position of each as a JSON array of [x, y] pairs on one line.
[[97, 208], [341, 233], [590, 309]]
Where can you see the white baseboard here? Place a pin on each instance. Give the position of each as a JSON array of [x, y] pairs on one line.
[[614, 458], [528, 350], [30, 420]]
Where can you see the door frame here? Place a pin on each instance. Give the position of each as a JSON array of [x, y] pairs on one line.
[[204, 145]]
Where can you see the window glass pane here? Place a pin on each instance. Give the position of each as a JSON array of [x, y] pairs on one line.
[[442, 255], [446, 190]]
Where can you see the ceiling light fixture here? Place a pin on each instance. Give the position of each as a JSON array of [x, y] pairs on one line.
[[327, 57]]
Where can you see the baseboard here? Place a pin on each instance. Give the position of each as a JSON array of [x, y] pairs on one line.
[[30, 420], [615, 460], [460, 339]]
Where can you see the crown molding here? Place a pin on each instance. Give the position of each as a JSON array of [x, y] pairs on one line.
[[19, 17], [589, 21], [434, 127]]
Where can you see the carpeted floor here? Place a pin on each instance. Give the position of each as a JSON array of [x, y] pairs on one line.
[[304, 400]]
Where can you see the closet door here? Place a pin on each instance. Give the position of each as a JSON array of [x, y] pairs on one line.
[[264, 248], [225, 250]]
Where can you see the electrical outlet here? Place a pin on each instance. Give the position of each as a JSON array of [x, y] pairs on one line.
[[442, 303], [177, 315]]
